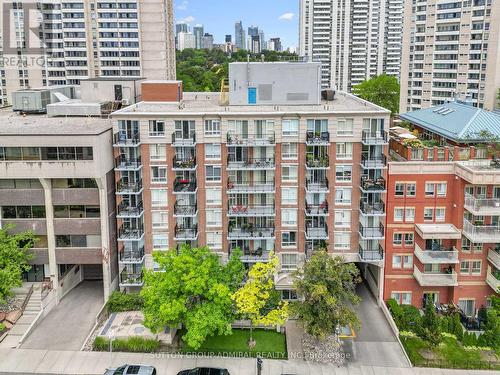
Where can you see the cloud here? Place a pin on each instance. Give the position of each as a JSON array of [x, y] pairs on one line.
[[286, 16], [188, 19], [183, 5]]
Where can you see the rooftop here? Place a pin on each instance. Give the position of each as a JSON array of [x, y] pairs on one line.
[[456, 121], [196, 103], [12, 123]]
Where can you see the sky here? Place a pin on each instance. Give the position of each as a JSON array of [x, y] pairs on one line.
[[278, 18]]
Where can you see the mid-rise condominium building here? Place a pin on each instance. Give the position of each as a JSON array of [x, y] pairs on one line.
[[354, 40], [85, 39], [267, 165], [443, 208], [450, 48]]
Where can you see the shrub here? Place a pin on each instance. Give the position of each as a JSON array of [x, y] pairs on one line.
[[396, 312], [119, 302], [456, 327], [131, 344], [469, 339], [430, 328], [2, 327], [411, 317]]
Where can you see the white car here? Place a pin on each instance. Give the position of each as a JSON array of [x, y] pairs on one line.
[[131, 369]]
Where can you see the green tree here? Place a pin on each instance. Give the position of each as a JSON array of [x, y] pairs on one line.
[[430, 328], [326, 287], [382, 90], [254, 300], [14, 257], [491, 335], [192, 289]]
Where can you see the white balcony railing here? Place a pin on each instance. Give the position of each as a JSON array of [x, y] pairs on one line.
[[435, 279], [492, 281], [494, 257], [436, 257], [481, 233], [482, 206]]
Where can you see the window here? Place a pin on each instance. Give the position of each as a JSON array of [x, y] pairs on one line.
[[440, 214], [342, 218], [288, 239], [289, 195], [403, 298], [214, 240], [344, 127], [407, 261], [397, 239], [289, 150], [214, 218], [213, 173], [342, 240], [429, 189], [467, 306], [290, 127], [213, 196], [428, 214], [158, 152], [159, 197], [212, 127], [464, 266], [156, 128], [396, 261], [159, 219], [289, 173], [343, 173], [288, 217], [476, 267], [398, 214], [289, 295], [411, 189], [399, 190], [289, 261], [344, 150], [410, 214], [409, 238], [212, 151], [160, 242], [158, 174], [343, 196], [441, 189]]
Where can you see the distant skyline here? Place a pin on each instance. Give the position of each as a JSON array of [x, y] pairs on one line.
[[278, 18]]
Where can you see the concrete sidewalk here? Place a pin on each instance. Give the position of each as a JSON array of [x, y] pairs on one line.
[[25, 361]]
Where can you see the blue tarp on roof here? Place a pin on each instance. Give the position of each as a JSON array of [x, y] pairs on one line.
[[455, 121]]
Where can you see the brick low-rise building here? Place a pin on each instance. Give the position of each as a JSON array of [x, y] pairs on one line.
[[443, 208]]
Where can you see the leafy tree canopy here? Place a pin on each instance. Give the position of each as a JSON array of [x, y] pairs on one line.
[[192, 289], [326, 286], [382, 90], [14, 257]]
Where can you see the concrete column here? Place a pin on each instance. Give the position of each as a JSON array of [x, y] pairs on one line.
[[51, 236], [105, 241]]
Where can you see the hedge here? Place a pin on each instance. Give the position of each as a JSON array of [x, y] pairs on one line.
[[119, 302], [132, 344]]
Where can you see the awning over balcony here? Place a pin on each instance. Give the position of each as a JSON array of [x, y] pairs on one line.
[[438, 231]]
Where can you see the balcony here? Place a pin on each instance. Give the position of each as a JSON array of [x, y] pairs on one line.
[[253, 256], [129, 233], [317, 162], [372, 208], [123, 163], [249, 232], [371, 138], [319, 232], [250, 164], [253, 187], [317, 186], [131, 279], [482, 206], [481, 233], [186, 233], [317, 138], [179, 140], [185, 186], [127, 210], [435, 278], [494, 257], [251, 210], [368, 253], [316, 209], [185, 210], [371, 233], [439, 255], [374, 162], [124, 187], [438, 231], [369, 185], [184, 164], [132, 256], [122, 139], [493, 279], [250, 139]]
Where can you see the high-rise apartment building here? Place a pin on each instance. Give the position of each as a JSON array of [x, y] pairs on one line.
[[208, 41], [354, 40], [87, 39], [443, 209], [239, 35], [268, 165], [186, 40], [198, 32], [450, 48], [274, 44]]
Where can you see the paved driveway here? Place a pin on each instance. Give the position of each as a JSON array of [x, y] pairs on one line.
[[375, 344], [69, 323]]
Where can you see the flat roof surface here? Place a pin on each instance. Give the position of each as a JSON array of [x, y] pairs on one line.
[[12, 123], [195, 103], [438, 228]]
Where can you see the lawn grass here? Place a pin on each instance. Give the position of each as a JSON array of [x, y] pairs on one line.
[[449, 354], [269, 344]]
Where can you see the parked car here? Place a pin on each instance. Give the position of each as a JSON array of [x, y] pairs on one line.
[[131, 369], [204, 371]]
